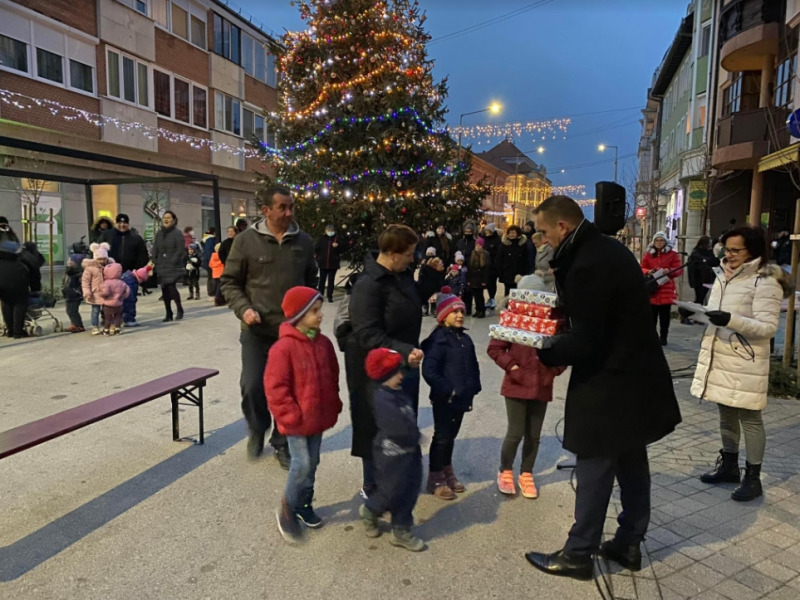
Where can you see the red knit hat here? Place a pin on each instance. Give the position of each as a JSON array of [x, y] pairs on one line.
[[382, 363], [447, 302], [298, 301]]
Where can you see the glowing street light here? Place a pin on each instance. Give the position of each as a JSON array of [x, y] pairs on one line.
[[494, 108], [602, 148]]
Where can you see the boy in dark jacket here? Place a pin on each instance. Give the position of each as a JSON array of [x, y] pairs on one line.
[[301, 382], [73, 294], [479, 267], [194, 262], [451, 370], [327, 252], [396, 453]]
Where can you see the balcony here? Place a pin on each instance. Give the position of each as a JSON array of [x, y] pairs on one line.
[[748, 31], [743, 138]]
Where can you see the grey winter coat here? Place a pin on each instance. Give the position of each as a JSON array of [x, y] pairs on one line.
[[169, 255]]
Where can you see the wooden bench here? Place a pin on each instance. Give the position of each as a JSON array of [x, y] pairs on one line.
[[187, 385]]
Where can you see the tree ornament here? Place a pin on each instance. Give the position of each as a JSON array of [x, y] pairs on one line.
[[333, 200]]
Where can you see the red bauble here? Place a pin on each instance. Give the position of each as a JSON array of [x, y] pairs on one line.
[[333, 200], [404, 210]]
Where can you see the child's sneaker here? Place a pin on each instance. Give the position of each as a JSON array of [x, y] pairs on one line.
[[370, 521], [307, 515], [74, 329], [505, 483], [403, 538], [106, 332], [95, 331], [527, 486], [288, 525]]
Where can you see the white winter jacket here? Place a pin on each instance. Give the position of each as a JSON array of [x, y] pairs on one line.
[[734, 369]]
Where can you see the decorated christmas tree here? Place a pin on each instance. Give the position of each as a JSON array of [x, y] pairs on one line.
[[360, 125]]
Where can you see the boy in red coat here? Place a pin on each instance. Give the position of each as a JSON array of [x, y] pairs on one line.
[[527, 387], [301, 382]]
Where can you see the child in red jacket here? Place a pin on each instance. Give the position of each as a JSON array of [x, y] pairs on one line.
[[527, 387], [301, 382]]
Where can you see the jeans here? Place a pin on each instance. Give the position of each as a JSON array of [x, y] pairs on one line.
[[96, 310], [595, 478], [446, 425], [251, 383], [525, 419], [303, 469], [327, 276], [74, 313], [732, 421], [661, 314]]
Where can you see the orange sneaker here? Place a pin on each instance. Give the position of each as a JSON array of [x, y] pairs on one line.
[[505, 483], [527, 486]]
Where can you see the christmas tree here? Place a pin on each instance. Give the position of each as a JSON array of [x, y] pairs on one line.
[[360, 125]]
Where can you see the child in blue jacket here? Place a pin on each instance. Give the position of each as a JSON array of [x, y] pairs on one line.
[[451, 369]]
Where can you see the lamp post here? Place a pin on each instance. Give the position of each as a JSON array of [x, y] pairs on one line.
[[493, 108], [602, 148]]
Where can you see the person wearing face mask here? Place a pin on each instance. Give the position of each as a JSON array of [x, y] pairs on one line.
[[733, 364], [661, 257], [466, 244], [169, 254], [327, 252], [620, 396], [444, 245]]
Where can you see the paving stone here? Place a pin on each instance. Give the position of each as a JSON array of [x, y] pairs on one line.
[[787, 530], [682, 528], [683, 585], [736, 591], [671, 558], [776, 571], [724, 564], [784, 593], [787, 559], [710, 541], [665, 536], [756, 581], [702, 575], [693, 551], [795, 583], [776, 539], [711, 595]]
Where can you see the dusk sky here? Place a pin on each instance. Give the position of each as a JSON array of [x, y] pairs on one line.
[[590, 60]]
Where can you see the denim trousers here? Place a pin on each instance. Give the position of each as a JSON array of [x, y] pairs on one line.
[[303, 469], [97, 309]]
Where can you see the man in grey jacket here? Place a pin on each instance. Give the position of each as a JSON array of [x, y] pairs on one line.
[[264, 262]]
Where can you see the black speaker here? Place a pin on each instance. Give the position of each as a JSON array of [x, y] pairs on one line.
[[609, 208]]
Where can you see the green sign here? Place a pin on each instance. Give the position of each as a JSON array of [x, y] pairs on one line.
[[42, 229]]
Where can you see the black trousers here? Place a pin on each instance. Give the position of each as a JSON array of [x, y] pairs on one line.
[[327, 276], [446, 425], [661, 317], [169, 292], [74, 313], [14, 309], [251, 382], [491, 287], [700, 293], [595, 478], [398, 480], [477, 295]]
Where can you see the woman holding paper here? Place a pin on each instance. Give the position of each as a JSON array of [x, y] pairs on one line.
[[733, 365], [662, 262]]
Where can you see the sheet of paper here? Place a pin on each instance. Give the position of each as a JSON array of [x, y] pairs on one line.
[[698, 311]]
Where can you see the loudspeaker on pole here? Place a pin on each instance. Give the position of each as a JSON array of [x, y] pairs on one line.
[[609, 209]]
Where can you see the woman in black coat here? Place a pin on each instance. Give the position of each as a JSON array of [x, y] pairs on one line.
[[169, 257], [701, 268], [326, 251], [512, 257], [15, 282], [385, 312]]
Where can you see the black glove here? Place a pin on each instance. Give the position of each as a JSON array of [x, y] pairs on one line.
[[720, 318]]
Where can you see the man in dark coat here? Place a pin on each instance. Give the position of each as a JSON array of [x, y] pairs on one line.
[[265, 261], [491, 243], [529, 229], [127, 247], [620, 396], [326, 251], [467, 243]]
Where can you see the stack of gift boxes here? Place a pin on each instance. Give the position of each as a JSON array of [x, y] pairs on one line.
[[532, 316]]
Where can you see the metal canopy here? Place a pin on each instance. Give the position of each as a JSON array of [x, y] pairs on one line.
[[177, 175]]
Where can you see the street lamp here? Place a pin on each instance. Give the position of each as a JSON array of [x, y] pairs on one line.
[[493, 108], [602, 148]]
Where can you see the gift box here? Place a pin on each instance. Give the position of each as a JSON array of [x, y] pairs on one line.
[[533, 324], [516, 336], [535, 297], [539, 311]]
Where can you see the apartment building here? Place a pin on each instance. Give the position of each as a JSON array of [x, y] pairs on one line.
[[495, 205], [178, 85]]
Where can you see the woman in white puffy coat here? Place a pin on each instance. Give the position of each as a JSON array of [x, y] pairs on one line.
[[733, 365]]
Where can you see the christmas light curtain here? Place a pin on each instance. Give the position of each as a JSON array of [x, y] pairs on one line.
[[360, 125]]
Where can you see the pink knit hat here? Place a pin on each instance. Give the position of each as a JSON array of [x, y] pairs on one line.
[[143, 274], [447, 302]]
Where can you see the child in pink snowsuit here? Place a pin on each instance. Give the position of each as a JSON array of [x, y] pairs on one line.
[[113, 292]]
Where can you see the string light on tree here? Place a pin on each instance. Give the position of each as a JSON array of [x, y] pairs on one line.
[[361, 121]]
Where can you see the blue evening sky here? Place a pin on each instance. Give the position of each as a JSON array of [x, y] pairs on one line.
[[558, 58]]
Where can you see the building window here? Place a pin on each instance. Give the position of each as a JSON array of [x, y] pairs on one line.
[[252, 125], [227, 39], [705, 41], [127, 79], [180, 20], [227, 113], [743, 92], [247, 54], [787, 68], [160, 14], [13, 54], [49, 66], [179, 99], [198, 32], [80, 76], [141, 6]]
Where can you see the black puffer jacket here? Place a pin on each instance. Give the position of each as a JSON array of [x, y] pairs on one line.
[[491, 243], [127, 248], [512, 259]]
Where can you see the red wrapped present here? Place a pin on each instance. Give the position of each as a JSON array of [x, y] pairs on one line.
[[532, 324], [529, 309]]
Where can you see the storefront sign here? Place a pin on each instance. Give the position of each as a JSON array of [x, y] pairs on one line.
[[697, 195]]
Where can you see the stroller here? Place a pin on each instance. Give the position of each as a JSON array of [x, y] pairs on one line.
[[39, 309]]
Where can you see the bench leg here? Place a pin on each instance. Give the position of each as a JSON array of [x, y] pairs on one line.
[[176, 436], [200, 407]]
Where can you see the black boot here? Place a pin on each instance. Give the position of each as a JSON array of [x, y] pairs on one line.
[[168, 307], [751, 484], [626, 555], [563, 563], [725, 471]]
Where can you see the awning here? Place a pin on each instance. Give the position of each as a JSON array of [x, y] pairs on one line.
[[781, 158]]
